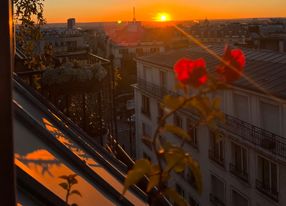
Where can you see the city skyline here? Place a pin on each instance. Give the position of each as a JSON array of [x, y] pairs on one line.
[[114, 10]]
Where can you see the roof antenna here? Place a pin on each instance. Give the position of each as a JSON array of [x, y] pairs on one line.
[[134, 17]]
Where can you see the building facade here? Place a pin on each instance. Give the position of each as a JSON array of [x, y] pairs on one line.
[[247, 166]]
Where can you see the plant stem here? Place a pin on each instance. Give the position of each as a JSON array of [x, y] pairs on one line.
[[156, 135]]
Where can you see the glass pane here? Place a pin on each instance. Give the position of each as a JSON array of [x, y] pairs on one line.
[[270, 117], [260, 168], [241, 107], [244, 162], [46, 166], [266, 174], [273, 177]]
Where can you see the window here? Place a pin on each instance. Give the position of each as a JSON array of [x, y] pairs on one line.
[[163, 79], [145, 105], [270, 117], [144, 76], [238, 199], [139, 51], [216, 152], [241, 107], [192, 133], [147, 133], [239, 161], [154, 50], [123, 51], [267, 179], [146, 130], [178, 120], [217, 195]]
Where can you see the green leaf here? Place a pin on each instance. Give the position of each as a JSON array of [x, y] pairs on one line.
[[180, 86], [175, 159], [143, 165], [141, 168], [64, 185], [201, 104], [154, 178], [175, 197], [177, 131], [75, 192], [133, 176], [217, 103], [195, 168], [172, 102], [153, 181]]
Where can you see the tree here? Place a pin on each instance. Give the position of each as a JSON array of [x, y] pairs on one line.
[[29, 18]]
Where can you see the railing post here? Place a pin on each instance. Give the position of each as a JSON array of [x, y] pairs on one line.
[[7, 174]]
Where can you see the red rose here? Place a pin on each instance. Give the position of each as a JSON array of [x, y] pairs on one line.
[[232, 67], [191, 72]]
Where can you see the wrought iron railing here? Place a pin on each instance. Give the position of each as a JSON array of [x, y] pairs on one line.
[[216, 201], [273, 143], [242, 174], [267, 190], [266, 140]]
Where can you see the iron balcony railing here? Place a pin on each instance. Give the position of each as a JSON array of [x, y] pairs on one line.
[[267, 190], [266, 140], [216, 201], [242, 174]]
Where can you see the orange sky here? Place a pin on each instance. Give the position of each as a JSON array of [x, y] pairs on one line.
[[146, 10]]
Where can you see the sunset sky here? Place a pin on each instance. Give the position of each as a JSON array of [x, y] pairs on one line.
[[146, 10]]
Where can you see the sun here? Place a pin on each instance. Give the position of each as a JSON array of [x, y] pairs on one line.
[[162, 17]]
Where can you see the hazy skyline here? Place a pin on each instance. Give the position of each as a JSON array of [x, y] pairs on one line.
[[113, 10]]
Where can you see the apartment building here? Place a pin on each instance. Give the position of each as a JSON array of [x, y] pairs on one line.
[[67, 42], [247, 166], [212, 32]]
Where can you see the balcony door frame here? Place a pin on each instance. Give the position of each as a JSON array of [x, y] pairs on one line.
[[7, 171]]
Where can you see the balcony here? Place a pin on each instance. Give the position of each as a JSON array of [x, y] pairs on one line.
[[266, 140], [242, 174], [216, 201], [273, 143], [153, 89], [214, 156], [267, 190]]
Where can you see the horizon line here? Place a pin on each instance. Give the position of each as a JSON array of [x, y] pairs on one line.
[[113, 21]]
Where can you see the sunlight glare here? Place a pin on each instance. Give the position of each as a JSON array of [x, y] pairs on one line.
[[162, 17]]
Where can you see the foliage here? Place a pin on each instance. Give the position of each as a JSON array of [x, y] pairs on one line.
[[69, 182], [196, 85], [29, 19]]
